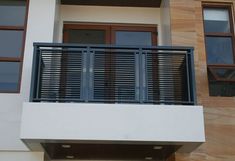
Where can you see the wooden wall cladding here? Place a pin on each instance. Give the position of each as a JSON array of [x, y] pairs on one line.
[[187, 29]]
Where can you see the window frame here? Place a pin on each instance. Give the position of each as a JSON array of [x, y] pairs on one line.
[[111, 29], [211, 67], [230, 34], [20, 58]]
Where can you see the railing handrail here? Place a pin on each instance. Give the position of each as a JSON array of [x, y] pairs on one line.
[[110, 46]]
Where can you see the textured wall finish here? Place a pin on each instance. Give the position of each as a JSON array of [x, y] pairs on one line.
[[187, 29]]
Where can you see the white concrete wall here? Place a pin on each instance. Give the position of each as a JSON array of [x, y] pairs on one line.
[[101, 14], [21, 156], [113, 122], [57, 22], [40, 28]]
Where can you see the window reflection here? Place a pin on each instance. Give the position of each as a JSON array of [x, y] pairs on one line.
[[9, 78], [133, 38], [10, 43], [219, 50], [82, 36], [12, 12], [216, 20]]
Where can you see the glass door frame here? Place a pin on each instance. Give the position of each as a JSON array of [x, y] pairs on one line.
[[110, 37], [110, 30]]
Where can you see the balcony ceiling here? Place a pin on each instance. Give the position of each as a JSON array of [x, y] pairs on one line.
[[108, 151], [128, 3]]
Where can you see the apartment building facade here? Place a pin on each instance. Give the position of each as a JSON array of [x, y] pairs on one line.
[[117, 80]]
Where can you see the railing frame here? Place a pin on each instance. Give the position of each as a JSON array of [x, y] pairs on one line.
[[38, 48]]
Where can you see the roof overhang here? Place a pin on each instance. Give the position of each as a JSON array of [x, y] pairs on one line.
[[122, 3]]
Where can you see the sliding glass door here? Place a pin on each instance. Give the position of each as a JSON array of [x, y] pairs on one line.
[[113, 74]]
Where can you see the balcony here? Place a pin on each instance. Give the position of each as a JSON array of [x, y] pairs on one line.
[[133, 102]]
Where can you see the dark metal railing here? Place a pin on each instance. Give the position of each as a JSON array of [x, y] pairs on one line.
[[113, 74]]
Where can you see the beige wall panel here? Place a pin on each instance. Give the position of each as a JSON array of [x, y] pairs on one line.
[[183, 38], [182, 23], [220, 142], [187, 29]]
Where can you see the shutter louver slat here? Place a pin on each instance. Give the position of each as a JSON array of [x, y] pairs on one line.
[[114, 76], [166, 77], [61, 75]]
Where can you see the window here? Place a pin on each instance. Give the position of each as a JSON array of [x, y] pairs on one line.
[[219, 39], [12, 35]]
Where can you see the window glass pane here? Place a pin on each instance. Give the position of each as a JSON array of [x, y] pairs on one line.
[[225, 74], [9, 78], [219, 50], [86, 36], [133, 38], [10, 43], [225, 89], [12, 12], [216, 20]]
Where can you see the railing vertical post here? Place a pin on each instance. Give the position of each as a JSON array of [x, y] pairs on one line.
[[84, 75], [91, 75], [142, 76], [86, 78], [192, 76], [137, 76], [187, 57], [33, 74], [39, 73]]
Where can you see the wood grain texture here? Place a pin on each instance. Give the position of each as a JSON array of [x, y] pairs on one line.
[[187, 29]]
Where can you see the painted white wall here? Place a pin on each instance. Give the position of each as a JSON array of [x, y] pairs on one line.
[[45, 23], [40, 28], [165, 22], [104, 14], [57, 22], [113, 122], [41, 22], [21, 156]]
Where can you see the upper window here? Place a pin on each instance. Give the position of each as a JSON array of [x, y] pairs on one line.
[[219, 39], [12, 12], [12, 34], [217, 20]]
